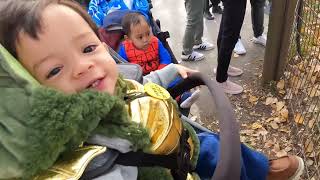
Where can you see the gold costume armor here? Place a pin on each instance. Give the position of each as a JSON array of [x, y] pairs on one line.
[[159, 115]]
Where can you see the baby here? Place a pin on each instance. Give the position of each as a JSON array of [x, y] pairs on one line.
[[73, 62], [140, 46]]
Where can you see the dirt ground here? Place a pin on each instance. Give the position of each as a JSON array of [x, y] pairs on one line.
[[262, 125]]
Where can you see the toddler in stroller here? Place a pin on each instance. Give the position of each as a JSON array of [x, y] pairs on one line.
[[77, 97]]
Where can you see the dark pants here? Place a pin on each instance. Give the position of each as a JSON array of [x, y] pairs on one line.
[[257, 16], [230, 26], [213, 2]]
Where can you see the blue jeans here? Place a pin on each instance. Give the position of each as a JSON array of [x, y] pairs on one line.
[[254, 165]]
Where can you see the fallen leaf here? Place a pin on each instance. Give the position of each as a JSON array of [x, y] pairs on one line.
[[279, 120], [288, 149], [274, 125], [276, 147], [280, 84], [309, 162], [313, 92], [268, 144], [317, 68], [284, 113], [256, 126], [247, 131], [311, 123], [281, 153], [235, 55], [289, 94], [308, 146], [253, 99], [262, 131], [280, 105], [313, 108], [269, 119], [271, 100], [298, 118], [282, 92]]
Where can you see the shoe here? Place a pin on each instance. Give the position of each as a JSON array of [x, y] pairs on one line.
[[231, 87], [191, 99], [203, 46], [239, 48], [262, 40], [208, 15], [194, 56], [288, 167], [232, 71], [217, 10]]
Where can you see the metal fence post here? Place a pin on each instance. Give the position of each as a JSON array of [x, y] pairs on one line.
[[279, 31]]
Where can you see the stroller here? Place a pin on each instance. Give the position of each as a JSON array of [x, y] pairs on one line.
[[110, 29], [228, 166]]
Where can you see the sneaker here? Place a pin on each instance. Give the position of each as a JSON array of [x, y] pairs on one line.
[[208, 15], [239, 48], [203, 46], [288, 167], [194, 56], [262, 40], [231, 87], [191, 99], [232, 71], [217, 10]]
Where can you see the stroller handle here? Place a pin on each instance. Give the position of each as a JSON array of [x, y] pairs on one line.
[[228, 165]]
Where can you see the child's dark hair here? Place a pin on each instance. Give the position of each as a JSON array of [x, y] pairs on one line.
[[129, 19], [25, 15]]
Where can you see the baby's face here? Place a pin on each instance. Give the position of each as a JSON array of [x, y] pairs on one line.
[[140, 35], [68, 56]]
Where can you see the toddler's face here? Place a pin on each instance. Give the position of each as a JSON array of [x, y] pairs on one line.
[[67, 56], [140, 35]]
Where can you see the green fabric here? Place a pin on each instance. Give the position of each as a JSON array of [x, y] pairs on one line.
[[159, 173], [196, 143], [37, 123]]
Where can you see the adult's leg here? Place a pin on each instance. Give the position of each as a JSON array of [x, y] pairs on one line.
[[206, 13], [194, 9], [229, 31], [215, 2], [199, 27], [257, 16], [254, 165]]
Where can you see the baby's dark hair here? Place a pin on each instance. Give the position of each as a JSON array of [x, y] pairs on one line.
[[129, 19], [25, 16]]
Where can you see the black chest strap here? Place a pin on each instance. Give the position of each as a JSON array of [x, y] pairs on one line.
[[179, 163]]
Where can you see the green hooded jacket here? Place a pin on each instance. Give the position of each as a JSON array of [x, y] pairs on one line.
[[37, 124]]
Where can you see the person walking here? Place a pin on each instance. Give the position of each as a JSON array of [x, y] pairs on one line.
[[257, 18], [230, 26], [192, 39]]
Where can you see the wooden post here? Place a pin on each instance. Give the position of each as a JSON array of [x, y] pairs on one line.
[[279, 32]]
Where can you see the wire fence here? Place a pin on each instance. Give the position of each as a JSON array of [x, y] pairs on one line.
[[302, 77]]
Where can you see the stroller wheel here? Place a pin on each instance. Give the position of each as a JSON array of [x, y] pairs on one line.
[[158, 23]]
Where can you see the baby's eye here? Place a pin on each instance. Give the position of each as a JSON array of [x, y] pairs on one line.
[[54, 72], [89, 49], [140, 37]]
